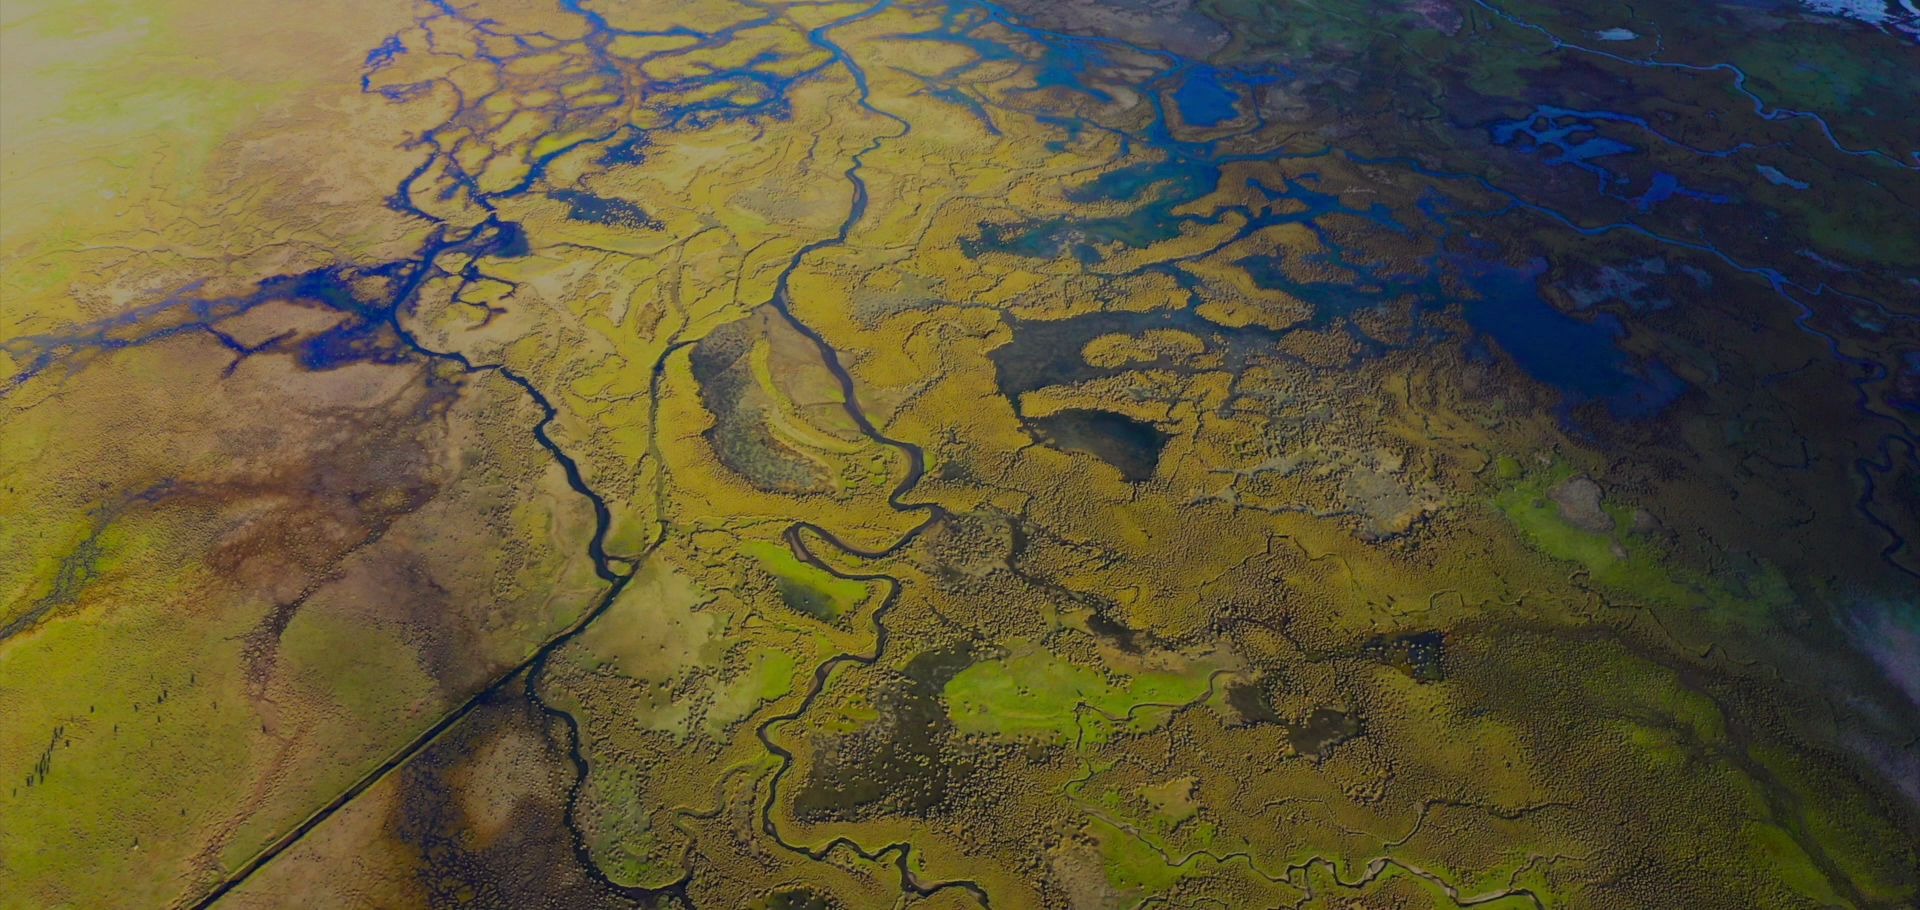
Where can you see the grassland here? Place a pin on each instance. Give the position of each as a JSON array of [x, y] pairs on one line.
[[844, 455]]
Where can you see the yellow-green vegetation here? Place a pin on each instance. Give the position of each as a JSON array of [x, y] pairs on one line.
[[1036, 693], [805, 588], [1133, 865], [769, 674], [821, 456], [1625, 560]]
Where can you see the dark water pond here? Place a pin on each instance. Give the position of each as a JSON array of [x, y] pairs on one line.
[[1132, 446]]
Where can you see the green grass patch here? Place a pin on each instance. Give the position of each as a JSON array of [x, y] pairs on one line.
[[769, 675], [1039, 695], [1628, 564], [1132, 863], [809, 590]]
